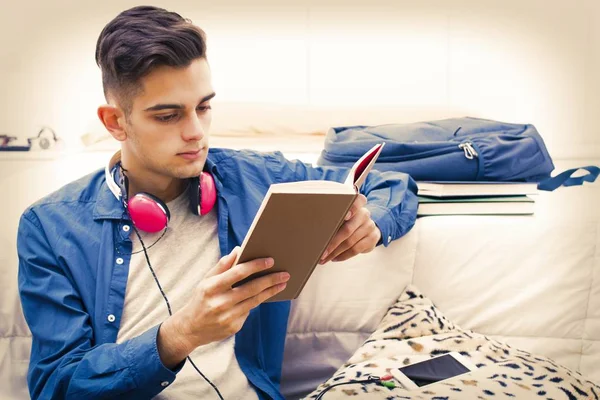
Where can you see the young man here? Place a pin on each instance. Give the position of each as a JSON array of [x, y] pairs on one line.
[[93, 287]]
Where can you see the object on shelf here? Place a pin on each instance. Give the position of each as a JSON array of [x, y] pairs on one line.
[[93, 137], [6, 140], [5, 144], [45, 139]]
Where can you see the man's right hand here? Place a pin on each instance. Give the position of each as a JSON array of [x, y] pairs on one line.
[[216, 310]]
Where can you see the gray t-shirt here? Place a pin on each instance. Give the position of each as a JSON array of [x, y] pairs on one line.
[[189, 248]]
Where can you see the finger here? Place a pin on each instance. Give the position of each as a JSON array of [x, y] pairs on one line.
[[225, 263], [242, 271], [359, 203], [252, 302], [365, 245], [258, 285], [342, 234], [363, 231], [345, 231]]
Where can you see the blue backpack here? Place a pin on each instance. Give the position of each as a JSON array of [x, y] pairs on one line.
[[460, 149]]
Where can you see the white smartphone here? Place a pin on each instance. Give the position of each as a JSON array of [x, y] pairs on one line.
[[432, 370]]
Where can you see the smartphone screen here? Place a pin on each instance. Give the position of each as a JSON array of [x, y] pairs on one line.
[[434, 370]]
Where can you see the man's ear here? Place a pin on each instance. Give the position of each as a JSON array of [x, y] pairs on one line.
[[114, 120]]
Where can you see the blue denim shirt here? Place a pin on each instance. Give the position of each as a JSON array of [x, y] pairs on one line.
[[74, 255]]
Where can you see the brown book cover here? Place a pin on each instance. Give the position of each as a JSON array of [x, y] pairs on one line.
[[297, 220]]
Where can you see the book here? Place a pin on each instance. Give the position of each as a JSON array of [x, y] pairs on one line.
[[297, 220], [476, 188], [502, 205]]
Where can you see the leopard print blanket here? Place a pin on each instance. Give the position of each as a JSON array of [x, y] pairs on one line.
[[414, 330]]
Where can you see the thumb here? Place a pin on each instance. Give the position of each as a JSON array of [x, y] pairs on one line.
[[225, 263]]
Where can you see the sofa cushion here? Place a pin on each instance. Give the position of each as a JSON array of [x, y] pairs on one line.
[[413, 330]]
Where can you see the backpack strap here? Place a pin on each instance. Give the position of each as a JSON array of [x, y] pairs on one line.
[[565, 179]]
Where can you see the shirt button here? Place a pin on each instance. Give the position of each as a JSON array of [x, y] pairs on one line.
[[164, 384], [126, 228], [389, 239], [111, 318], [119, 261]]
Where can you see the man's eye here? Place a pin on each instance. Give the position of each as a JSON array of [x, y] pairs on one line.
[[166, 118], [203, 108]]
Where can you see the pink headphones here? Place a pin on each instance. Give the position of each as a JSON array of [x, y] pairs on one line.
[[149, 213]]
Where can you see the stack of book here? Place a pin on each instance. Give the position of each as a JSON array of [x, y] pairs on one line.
[[476, 198]]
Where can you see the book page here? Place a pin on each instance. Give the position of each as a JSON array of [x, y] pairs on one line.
[[361, 168], [316, 186]]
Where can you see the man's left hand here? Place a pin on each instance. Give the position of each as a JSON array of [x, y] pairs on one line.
[[357, 235]]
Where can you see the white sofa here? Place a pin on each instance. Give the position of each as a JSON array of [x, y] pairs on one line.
[[531, 281]]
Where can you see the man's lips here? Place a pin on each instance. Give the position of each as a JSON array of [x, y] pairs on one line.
[[191, 155], [190, 152]]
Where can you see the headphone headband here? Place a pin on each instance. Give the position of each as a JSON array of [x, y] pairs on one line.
[[110, 180]]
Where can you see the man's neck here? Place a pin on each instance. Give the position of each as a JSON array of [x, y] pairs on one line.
[[164, 187]]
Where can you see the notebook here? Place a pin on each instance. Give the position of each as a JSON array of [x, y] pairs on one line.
[[476, 188], [504, 205]]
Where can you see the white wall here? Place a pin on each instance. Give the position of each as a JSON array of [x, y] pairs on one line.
[[283, 66]]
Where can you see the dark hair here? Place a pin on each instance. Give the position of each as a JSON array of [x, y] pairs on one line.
[[139, 40]]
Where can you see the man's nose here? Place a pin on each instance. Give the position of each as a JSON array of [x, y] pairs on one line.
[[194, 129]]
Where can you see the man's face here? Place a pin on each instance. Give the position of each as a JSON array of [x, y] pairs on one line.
[[167, 130]]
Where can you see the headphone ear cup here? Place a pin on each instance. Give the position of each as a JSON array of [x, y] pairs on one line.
[[203, 193], [148, 213], [207, 193]]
